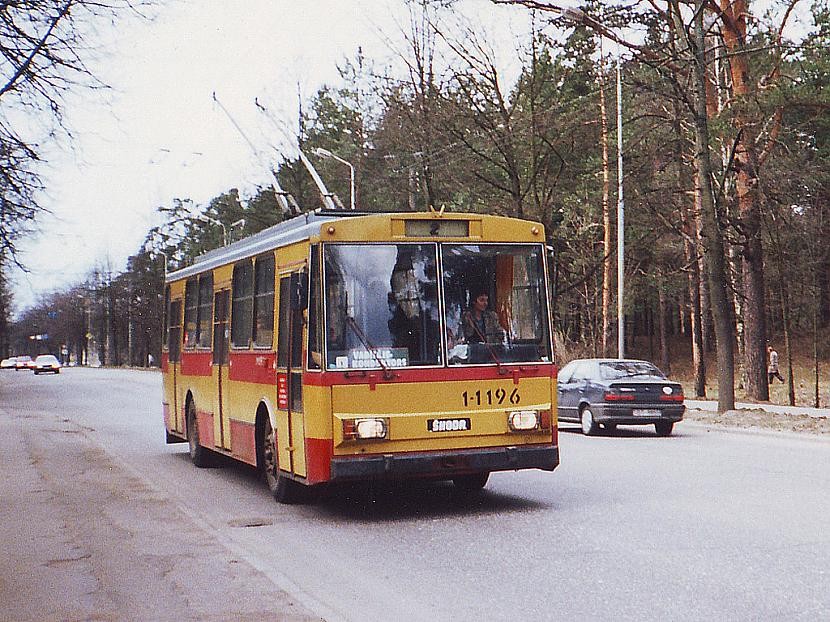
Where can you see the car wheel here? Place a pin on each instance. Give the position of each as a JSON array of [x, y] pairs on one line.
[[284, 489], [471, 483], [201, 456], [664, 428], [610, 427], [586, 420]]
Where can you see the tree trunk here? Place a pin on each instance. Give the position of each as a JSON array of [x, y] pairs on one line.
[[695, 286], [785, 317], [607, 264], [746, 186], [707, 327], [816, 397], [712, 236], [665, 359]]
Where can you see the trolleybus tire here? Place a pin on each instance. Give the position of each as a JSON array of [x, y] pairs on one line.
[[586, 420], [284, 489], [472, 482], [664, 428], [201, 456]]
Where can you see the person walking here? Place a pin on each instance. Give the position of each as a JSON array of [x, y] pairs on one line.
[[772, 367]]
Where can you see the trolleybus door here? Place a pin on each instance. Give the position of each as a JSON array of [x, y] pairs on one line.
[[290, 442], [221, 346]]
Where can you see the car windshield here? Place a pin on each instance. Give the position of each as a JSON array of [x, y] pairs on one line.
[[613, 370], [46, 358]]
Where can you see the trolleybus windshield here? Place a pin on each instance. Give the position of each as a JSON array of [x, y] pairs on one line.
[[495, 303], [382, 306]]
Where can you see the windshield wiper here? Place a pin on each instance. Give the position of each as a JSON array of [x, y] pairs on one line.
[[387, 373]]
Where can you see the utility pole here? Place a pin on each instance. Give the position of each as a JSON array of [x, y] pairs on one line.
[[620, 223]]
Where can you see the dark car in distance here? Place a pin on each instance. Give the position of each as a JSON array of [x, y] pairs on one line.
[[611, 392]]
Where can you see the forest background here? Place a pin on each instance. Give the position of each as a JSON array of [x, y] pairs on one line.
[[726, 151]]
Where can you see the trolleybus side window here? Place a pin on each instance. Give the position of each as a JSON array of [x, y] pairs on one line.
[[166, 317], [495, 303], [220, 327], [299, 283], [282, 334], [191, 313], [314, 307], [264, 302], [290, 336], [381, 306], [204, 324], [174, 331], [242, 304]]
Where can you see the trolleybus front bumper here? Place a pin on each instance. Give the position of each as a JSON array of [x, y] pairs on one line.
[[445, 464]]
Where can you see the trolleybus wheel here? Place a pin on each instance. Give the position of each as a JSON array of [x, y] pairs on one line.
[[284, 489], [586, 420], [201, 456], [472, 482], [664, 428]]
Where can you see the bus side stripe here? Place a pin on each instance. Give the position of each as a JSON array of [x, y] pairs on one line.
[[437, 374], [243, 441], [196, 363], [205, 422], [318, 453], [256, 367]]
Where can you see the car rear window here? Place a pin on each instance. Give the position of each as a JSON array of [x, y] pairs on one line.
[[625, 369]]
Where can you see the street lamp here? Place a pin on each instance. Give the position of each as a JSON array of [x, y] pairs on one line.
[[164, 256], [325, 153], [216, 222], [579, 16]]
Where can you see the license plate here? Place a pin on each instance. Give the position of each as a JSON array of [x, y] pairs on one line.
[[646, 412]]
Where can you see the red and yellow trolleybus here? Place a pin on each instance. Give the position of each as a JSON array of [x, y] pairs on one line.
[[342, 346]]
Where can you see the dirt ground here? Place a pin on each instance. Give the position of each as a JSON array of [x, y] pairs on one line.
[[759, 419]]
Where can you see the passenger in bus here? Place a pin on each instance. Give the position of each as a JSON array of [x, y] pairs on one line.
[[481, 324]]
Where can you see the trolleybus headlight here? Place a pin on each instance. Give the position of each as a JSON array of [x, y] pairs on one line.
[[520, 420], [364, 429]]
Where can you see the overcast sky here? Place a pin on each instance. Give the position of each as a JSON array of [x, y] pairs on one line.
[[158, 134]]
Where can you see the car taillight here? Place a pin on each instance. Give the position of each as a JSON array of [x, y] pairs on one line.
[[615, 396], [672, 394]]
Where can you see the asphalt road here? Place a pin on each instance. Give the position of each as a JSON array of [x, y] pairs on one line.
[[101, 520]]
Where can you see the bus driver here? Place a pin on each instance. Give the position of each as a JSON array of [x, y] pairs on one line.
[[479, 323]]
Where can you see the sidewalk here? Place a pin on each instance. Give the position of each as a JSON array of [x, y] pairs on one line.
[[712, 406], [83, 539]]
